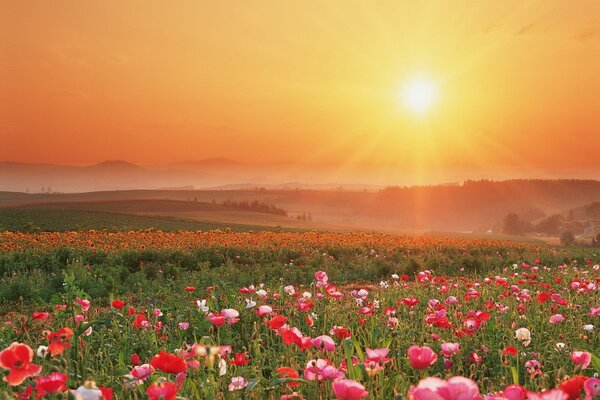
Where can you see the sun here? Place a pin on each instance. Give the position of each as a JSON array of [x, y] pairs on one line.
[[419, 95]]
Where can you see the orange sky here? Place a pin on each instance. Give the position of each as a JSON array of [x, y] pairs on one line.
[[314, 81]]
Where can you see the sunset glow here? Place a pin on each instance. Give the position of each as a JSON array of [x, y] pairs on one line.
[[348, 83], [419, 95]]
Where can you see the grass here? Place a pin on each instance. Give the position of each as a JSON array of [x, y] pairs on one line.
[[49, 219], [159, 276]]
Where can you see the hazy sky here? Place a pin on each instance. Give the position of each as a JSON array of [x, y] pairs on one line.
[[517, 82]]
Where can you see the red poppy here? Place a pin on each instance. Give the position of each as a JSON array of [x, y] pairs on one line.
[[410, 302], [543, 297], [135, 359], [162, 391], [54, 383], [287, 372], [277, 322], [216, 319], [17, 358], [107, 393], [240, 359], [58, 340], [573, 387], [189, 288], [37, 315], [169, 363], [138, 322], [118, 304], [510, 350]]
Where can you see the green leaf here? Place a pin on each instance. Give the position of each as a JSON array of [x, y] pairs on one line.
[[252, 383], [596, 362]]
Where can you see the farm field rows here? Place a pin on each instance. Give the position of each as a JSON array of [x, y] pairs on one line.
[[282, 315]]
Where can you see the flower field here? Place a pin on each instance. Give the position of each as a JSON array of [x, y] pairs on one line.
[[213, 315]]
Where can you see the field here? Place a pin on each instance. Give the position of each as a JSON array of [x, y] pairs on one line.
[[283, 315], [49, 219]]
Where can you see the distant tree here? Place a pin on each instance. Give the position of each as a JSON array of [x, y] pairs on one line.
[[593, 210], [567, 238], [596, 241], [514, 224], [550, 225]]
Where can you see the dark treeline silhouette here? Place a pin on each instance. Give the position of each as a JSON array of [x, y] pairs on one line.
[[255, 206]]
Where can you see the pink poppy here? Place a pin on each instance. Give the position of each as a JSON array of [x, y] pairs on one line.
[[347, 389], [421, 357]]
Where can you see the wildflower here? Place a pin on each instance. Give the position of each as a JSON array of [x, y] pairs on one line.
[[534, 367], [42, 351], [230, 315], [162, 391], [287, 372], [455, 388], [53, 383], [135, 359], [347, 389], [38, 315], [184, 326], [556, 318], [216, 319], [510, 350], [573, 387], [85, 304], [581, 359], [240, 359], [88, 391], [169, 363], [324, 343], [264, 310], [141, 322], [141, 372], [201, 304], [410, 302], [117, 304], [277, 322], [237, 383], [17, 359], [378, 355], [321, 278], [524, 335], [592, 388], [58, 341], [450, 349], [289, 290], [421, 357], [321, 369]]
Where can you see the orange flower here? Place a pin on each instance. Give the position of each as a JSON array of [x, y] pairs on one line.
[[17, 358], [58, 340], [287, 372]]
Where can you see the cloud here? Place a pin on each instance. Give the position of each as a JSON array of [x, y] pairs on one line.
[[525, 29], [587, 34]]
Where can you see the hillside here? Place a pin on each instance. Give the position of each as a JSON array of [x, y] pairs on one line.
[[475, 206]]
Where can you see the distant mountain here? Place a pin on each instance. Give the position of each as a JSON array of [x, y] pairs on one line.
[[214, 161], [116, 166]]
